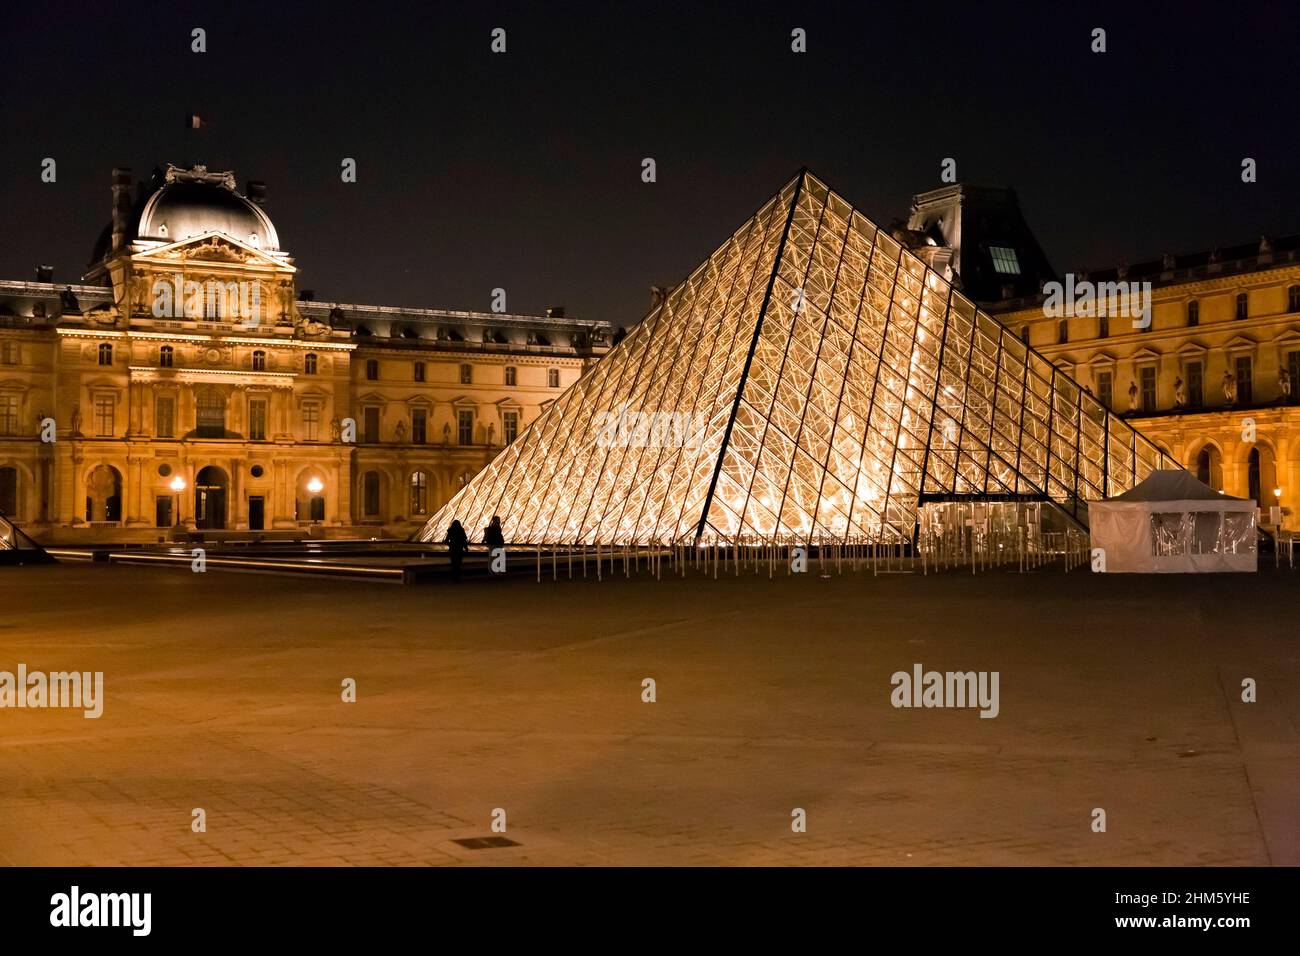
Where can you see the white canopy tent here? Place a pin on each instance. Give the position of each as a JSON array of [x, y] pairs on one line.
[[1173, 523]]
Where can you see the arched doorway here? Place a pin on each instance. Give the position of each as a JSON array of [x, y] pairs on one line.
[[1261, 476], [1209, 467], [104, 494], [309, 502], [210, 498]]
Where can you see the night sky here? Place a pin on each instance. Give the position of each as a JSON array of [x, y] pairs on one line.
[[523, 170]]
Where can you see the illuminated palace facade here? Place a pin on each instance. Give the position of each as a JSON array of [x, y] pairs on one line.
[[1212, 379], [187, 383]]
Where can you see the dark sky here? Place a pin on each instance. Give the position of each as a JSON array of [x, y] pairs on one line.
[[523, 170]]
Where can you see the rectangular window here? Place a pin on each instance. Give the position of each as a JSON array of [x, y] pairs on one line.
[[8, 414], [372, 369], [1243, 307], [1105, 388], [467, 375], [1004, 260], [310, 421], [511, 375], [257, 419], [370, 494], [1293, 370], [104, 405], [465, 427], [419, 426], [1195, 385], [8, 353], [164, 418], [371, 424], [1245, 380], [510, 424], [419, 371], [553, 378], [1148, 376]]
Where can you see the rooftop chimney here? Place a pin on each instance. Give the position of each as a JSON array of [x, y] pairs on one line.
[[555, 312], [45, 273], [121, 205], [256, 191]]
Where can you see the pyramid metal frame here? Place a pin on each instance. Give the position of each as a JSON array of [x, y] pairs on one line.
[[837, 383]]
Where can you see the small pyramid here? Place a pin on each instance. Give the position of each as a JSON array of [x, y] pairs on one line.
[[812, 381]]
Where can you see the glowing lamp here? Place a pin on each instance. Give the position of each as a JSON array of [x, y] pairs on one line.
[[178, 483], [315, 486]]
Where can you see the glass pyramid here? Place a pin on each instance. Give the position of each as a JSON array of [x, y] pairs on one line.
[[830, 383]]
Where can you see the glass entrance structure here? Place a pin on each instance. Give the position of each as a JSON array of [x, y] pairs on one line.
[[812, 381]]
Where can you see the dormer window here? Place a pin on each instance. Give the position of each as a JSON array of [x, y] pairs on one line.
[[1004, 260], [162, 229], [253, 240]]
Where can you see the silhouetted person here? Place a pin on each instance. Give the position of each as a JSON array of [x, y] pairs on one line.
[[492, 535], [457, 542]]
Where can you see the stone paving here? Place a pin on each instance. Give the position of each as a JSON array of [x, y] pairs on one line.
[[223, 693]]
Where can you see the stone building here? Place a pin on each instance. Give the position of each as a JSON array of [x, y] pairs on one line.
[[1209, 372], [187, 381]]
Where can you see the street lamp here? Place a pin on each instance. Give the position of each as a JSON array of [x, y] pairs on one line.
[[177, 486]]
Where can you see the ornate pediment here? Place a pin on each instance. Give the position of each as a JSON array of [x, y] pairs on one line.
[[215, 249]]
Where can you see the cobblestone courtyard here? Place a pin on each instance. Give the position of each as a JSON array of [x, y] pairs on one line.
[[223, 693]]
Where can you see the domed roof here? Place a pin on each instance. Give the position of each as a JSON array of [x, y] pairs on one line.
[[195, 202], [186, 203]]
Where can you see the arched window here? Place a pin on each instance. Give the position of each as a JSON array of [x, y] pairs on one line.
[[553, 377], [309, 363], [419, 493], [370, 494], [1193, 313], [166, 356], [105, 354], [9, 491], [259, 361]]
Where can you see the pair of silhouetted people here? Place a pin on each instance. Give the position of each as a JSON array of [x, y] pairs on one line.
[[457, 542]]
